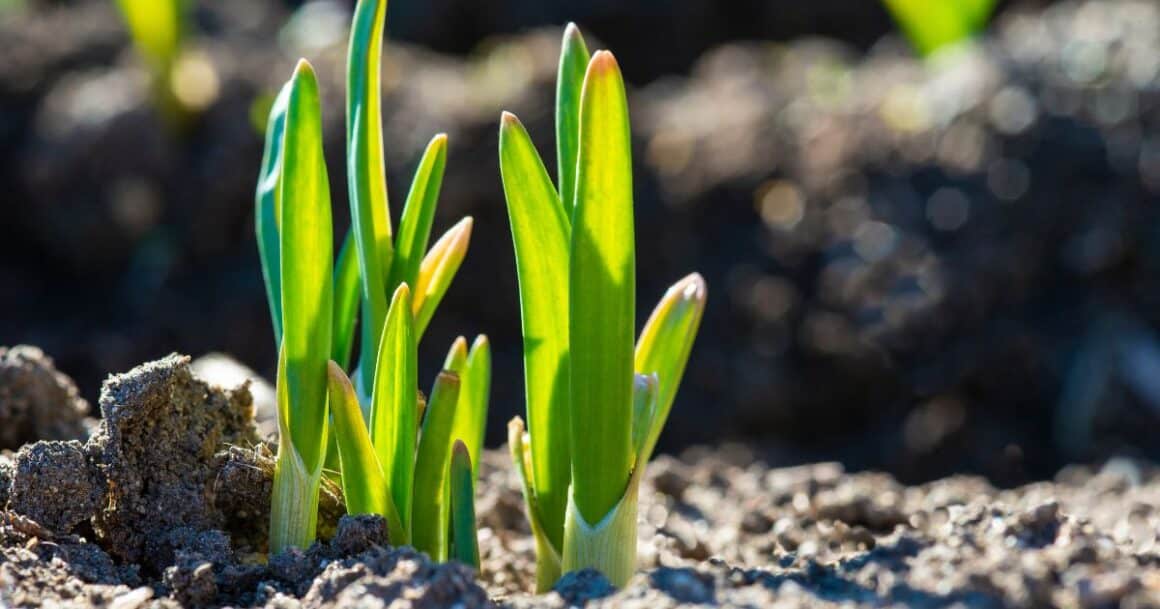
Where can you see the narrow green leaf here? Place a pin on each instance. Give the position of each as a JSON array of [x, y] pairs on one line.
[[456, 360], [548, 562], [267, 208], [540, 234], [156, 29], [465, 546], [431, 513], [569, 83], [644, 410], [364, 486], [346, 298], [665, 344], [394, 405], [602, 295], [474, 395], [369, 208], [306, 252], [418, 214], [437, 271]]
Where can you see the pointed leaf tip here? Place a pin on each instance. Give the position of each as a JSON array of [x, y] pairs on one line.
[[692, 287], [507, 119], [459, 451], [603, 62], [303, 67]]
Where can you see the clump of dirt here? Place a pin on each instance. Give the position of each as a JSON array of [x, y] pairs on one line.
[[174, 467], [5, 478], [56, 484], [392, 578], [36, 401], [160, 430]]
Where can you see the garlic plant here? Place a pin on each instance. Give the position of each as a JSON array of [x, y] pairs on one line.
[[595, 403], [394, 449]]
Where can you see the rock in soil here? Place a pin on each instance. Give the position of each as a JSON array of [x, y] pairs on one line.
[[36, 401]]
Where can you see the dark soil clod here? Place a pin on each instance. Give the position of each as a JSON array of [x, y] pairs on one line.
[[55, 484], [160, 430], [36, 401]]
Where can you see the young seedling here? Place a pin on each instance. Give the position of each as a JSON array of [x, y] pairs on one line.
[[595, 405], [182, 79], [394, 449], [305, 254], [934, 26]]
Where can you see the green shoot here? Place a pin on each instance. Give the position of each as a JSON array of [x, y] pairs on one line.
[[474, 370], [465, 546], [394, 416], [595, 407], [183, 80], [570, 80], [602, 294], [934, 26], [385, 260], [306, 252], [392, 453], [430, 526]]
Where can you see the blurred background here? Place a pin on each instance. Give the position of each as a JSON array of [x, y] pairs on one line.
[[926, 265]]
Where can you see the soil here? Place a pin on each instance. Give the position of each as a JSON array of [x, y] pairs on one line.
[[146, 514], [36, 401], [910, 269]]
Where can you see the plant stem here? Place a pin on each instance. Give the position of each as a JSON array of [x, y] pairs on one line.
[[294, 501], [609, 546]]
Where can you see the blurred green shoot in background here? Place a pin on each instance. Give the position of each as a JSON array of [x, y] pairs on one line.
[[937, 25]]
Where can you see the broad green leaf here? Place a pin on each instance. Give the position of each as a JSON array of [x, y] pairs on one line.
[[306, 252], [267, 208], [569, 83], [465, 545], [345, 302], [156, 29], [418, 214], [394, 406], [541, 234], [665, 344], [366, 182], [602, 295], [364, 487], [548, 563], [474, 393], [431, 513], [437, 271]]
